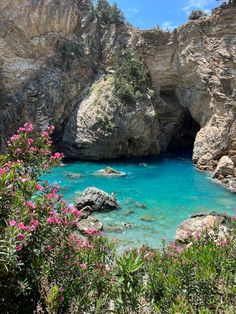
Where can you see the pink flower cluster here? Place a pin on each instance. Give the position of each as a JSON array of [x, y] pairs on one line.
[[56, 156], [28, 127], [175, 249], [34, 223]]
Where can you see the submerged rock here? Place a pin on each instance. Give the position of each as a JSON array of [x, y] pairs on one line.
[[198, 223], [97, 199], [110, 172], [129, 212], [115, 228], [140, 205], [73, 175], [147, 218]]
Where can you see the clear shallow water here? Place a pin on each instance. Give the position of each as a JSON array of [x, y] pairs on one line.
[[168, 187]]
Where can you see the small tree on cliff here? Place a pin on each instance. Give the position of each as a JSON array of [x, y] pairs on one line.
[[196, 14]]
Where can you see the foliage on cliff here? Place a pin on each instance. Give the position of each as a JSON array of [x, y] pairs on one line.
[[131, 78], [196, 14], [109, 14]]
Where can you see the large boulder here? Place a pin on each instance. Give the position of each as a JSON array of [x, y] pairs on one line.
[[224, 168], [97, 199], [197, 224]]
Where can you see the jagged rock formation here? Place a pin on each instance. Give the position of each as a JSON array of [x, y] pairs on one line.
[[56, 67], [195, 67]]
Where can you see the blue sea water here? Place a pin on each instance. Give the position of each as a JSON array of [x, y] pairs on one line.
[[167, 189]]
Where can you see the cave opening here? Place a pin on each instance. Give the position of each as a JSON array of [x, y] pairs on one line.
[[181, 126], [185, 134]]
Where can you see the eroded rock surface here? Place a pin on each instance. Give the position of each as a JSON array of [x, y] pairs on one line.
[[97, 199], [56, 65]]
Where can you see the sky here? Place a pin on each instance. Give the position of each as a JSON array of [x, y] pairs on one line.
[[168, 14]]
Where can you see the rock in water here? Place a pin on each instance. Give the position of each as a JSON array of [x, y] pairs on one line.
[[97, 199], [147, 218], [110, 172], [73, 175], [90, 223], [198, 223]]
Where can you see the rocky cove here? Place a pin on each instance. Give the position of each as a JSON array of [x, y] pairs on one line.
[[121, 132], [57, 64], [147, 203]]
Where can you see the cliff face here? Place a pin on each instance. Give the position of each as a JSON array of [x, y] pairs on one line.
[[56, 67], [196, 64]]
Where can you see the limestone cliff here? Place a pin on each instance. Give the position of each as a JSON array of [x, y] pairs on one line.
[[57, 60]]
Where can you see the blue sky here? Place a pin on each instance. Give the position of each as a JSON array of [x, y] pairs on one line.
[[165, 13]]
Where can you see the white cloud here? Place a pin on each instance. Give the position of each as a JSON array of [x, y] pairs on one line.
[[197, 4], [131, 12], [167, 25]]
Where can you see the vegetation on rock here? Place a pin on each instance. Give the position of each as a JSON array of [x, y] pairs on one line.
[[109, 14], [196, 14], [131, 78]]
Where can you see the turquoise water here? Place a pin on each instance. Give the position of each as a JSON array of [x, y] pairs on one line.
[[167, 189]]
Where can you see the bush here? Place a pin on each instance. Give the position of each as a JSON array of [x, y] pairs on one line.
[[42, 260], [131, 78], [109, 14], [196, 14]]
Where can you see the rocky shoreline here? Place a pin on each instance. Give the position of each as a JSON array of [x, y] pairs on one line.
[[94, 200]]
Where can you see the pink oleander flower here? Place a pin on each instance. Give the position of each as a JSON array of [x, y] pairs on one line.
[[76, 212], [171, 254], [24, 179], [31, 205], [19, 247], [51, 196], [20, 236], [57, 155], [90, 231], [15, 137], [12, 223], [29, 141], [51, 129], [223, 243], [91, 246], [21, 226], [44, 134], [28, 127], [39, 187], [51, 220], [84, 245], [83, 266], [197, 235], [17, 151], [3, 170], [32, 149], [34, 224], [233, 217]]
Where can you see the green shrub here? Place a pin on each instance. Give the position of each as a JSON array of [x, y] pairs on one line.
[[131, 78], [196, 14], [109, 14], [42, 260]]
